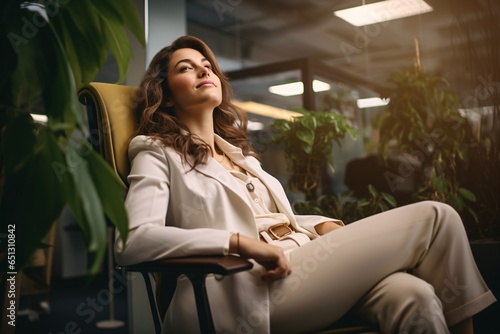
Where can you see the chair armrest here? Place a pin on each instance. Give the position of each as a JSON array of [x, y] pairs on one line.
[[222, 265], [196, 268]]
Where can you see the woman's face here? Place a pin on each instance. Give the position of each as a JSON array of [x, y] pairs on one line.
[[193, 85]]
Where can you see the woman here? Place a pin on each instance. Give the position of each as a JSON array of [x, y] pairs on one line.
[[197, 189]]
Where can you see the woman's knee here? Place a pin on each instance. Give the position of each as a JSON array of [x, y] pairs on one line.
[[405, 289], [410, 303], [420, 294], [441, 209], [440, 214]]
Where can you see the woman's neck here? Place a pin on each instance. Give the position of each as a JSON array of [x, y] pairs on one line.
[[203, 129]]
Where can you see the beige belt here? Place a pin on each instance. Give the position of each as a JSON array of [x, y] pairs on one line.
[[282, 231]]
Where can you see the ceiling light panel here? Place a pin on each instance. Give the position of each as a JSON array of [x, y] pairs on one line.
[[371, 102], [382, 11], [297, 88]]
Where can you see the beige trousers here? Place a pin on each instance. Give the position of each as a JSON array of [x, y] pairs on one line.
[[364, 267]]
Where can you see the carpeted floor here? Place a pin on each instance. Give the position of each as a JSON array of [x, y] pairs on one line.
[[76, 306]]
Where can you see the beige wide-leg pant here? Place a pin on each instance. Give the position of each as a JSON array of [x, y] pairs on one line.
[[365, 267]]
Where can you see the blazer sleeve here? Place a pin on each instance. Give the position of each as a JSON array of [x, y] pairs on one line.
[[310, 221], [146, 203]]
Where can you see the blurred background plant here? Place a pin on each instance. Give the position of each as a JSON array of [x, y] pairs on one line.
[[423, 121], [49, 50], [308, 142], [346, 206]]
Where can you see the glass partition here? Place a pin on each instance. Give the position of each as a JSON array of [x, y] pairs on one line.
[[277, 90]]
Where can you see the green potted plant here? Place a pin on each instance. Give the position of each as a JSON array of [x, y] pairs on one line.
[[308, 140], [422, 121], [49, 49], [346, 206]]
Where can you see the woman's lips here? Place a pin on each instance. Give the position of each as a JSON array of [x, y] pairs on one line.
[[205, 83]]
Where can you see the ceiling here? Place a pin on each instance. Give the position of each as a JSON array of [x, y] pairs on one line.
[[247, 33]]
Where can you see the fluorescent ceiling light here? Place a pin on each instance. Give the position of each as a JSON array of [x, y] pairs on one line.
[[372, 102], [382, 11], [297, 88], [255, 126], [266, 110]]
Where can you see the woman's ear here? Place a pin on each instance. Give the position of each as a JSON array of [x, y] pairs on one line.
[[169, 103]]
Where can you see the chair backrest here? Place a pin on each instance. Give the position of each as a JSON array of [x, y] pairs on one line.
[[112, 125], [111, 121]]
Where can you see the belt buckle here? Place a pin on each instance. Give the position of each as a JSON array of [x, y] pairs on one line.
[[279, 231]]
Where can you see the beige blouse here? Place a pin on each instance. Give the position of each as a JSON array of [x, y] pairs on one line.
[[263, 206]]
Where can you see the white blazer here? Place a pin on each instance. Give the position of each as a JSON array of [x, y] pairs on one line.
[[174, 211]]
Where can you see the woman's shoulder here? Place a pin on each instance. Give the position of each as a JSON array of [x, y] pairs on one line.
[[142, 143]]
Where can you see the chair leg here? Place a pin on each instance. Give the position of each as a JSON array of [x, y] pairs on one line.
[[152, 303], [202, 304]]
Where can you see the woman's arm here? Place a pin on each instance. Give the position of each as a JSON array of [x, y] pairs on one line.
[[147, 204], [271, 257]]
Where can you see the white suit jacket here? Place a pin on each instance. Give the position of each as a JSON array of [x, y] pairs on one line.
[[176, 212]]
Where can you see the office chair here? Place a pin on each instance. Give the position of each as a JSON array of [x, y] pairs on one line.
[[112, 125]]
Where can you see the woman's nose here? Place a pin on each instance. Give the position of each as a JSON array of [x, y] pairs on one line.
[[204, 72]]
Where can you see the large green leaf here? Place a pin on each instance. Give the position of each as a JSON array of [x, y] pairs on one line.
[[123, 12], [309, 121], [17, 152], [63, 83], [372, 191], [33, 198], [389, 199], [117, 39], [111, 192], [353, 133], [89, 211], [79, 36], [467, 194], [382, 207], [70, 44], [102, 29], [306, 135]]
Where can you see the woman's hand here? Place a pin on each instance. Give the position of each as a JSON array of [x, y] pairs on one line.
[[326, 227], [269, 256]]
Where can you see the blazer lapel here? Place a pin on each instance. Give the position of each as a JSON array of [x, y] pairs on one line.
[[214, 170], [253, 166]]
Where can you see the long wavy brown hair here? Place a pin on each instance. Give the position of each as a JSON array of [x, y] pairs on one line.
[[158, 121]]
